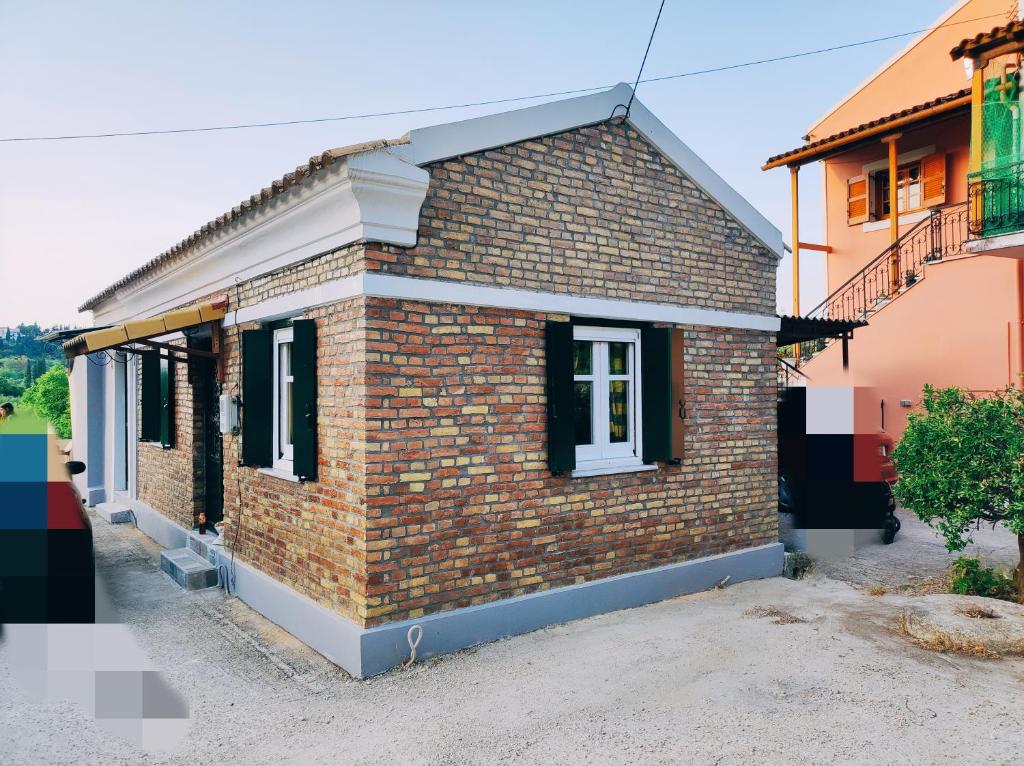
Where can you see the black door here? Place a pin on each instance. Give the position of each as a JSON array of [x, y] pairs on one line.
[[207, 391]]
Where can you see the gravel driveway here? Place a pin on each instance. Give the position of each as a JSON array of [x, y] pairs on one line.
[[774, 671], [919, 558]]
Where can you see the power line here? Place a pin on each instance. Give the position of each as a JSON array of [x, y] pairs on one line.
[[644, 62], [491, 102]]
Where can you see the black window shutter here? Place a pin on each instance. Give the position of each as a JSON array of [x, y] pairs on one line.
[[678, 393], [257, 397], [167, 402], [656, 373], [304, 399], [561, 420], [150, 427]]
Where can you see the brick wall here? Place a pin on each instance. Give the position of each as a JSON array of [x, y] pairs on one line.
[[433, 489], [461, 508], [166, 476], [310, 535], [595, 211]]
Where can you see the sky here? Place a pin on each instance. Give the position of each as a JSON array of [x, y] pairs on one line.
[[75, 216]]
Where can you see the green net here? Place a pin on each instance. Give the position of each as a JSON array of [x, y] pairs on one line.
[[1001, 154]]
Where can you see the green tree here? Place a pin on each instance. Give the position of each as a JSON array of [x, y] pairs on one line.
[[50, 398], [961, 462], [9, 389]]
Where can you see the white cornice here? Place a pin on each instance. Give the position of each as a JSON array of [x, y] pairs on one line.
[[468, 294], [371, 196]]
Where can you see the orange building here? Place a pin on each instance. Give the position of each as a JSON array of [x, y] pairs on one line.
[[931, 266]]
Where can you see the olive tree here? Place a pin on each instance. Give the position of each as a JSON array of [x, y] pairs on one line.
[[961, 462]]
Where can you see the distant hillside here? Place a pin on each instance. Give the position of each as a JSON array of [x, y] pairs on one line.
[[23, 357]]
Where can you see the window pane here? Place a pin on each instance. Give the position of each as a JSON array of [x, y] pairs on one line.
[[584, 407], [618, 358], [288, 409], [582, 354], [618, 403], [914, 188]]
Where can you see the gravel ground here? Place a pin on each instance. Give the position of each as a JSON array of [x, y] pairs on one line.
[[774, 671], [918, 558]]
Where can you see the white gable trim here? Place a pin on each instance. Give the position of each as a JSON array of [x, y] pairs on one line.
[[455, 139], [469, 294], [376, 196]]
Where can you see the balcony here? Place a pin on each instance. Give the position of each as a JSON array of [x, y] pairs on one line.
[[996, 210]]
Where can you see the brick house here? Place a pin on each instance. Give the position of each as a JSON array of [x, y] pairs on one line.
[[493, 375]]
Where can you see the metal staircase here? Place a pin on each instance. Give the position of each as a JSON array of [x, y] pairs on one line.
[[941, 235]]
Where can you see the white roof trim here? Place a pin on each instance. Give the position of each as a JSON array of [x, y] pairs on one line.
[[946, 16], [454, 139]]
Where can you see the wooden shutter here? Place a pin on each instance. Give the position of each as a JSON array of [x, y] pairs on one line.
[[167, 402], [656, 392], [678, 395], [933, 180], [560, 394], [150, 384], [304, 399], [257, 397], [857, 200]]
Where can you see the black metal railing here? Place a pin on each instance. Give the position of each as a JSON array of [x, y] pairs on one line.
[[996, 198], [941, 235]]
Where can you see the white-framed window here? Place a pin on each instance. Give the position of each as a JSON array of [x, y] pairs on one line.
[[606, 387], [283, 380]]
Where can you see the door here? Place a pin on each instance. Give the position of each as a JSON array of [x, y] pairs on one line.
[[207, 391]]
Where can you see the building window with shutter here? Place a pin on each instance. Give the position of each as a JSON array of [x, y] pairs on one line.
[[615, 397], [920, 185], [279, 399], [283, 400], [607, 408], [157, 397]]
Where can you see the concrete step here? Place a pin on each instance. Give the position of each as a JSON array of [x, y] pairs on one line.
[[114, 513], [207, 546], [187, 568]]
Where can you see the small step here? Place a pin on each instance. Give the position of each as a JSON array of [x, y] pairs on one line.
[[114, 513], [187, 568], [206, 546]]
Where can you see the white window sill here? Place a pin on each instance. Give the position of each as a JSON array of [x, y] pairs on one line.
[[279, 473], [906, 218], [603, 470]]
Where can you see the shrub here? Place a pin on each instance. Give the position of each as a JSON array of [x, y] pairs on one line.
[[961, 462], [969, 578]]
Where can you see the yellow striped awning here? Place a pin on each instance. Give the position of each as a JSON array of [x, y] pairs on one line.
[[142, 329]]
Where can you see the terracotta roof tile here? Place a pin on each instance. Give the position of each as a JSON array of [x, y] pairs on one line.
[[985, 41], [824, 143]]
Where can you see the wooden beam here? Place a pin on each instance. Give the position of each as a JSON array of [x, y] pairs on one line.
[[795, 203], [977, 97], [819, 248], [894, 214], [217, 346]]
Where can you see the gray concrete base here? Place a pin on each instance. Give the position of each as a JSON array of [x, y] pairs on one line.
[[367, 652], [187, 568], [114, 513]]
